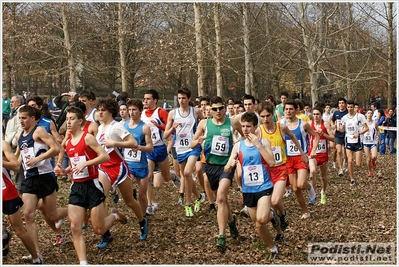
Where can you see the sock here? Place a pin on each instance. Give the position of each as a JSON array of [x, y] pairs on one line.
[[323, 192], [107, 234], [142, 223], [116, 216], [84, 263], [273, 249], [212, 206], [312, 193], [182, 195]]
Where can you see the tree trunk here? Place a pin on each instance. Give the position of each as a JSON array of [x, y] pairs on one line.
[[199, 50], [219, 82], [121, 40], [390, 55], [247, 54], [68, 47]]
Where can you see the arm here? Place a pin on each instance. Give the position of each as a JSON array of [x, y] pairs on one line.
[[10, 161], [365, 130], [170, 125], [128, 142], [330, 135], [279, 116], [316, 139], [41, 135], [199, 134], [149, 147], [233, 159], [237, 126], [54, 132], [264, 149]]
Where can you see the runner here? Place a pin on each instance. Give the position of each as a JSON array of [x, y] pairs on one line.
[[323, 129], [37, 147], [137, 158], [86, 190], [297, 161], [254, 157], [113, 136], [370, 141], [183, 121], [12, 204], [215, 135], [350, 125]]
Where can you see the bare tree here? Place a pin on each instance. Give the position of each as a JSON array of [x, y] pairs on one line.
[[218, 44], [198, 46]]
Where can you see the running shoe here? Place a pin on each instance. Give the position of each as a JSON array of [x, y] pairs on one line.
[[86, 220], [279, 237], [180, 200], [244, 212], [373, 164], [121, 218], [312, 201], [352, 183], [202, 197], [275, 219], [39, 259], [6, 242], [105, 240], [155, 206], [345, 166], [144, 230], [323, 198], [211, 209], [59, 223], [175, 180], [340, 172], [189, 211], [59, 240], [334, 166], [305, 216], [233, 227], [221, 242], [370, 174], [149, 211], [288, 193], [283, 221], [197, 205], [273, 255]]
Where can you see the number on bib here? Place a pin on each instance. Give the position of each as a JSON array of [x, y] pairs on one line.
[[253, 175]]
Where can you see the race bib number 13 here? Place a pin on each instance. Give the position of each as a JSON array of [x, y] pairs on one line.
[[253, 175]]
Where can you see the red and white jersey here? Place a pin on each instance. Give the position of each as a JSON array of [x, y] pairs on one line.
[[322, 147], [81, 153], [8, 187], [157, 115]]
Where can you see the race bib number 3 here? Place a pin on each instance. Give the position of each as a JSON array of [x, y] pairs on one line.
[[253, 175], [220, 146], [292, 149]]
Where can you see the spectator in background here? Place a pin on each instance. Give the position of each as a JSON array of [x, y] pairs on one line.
[[6, 104], [63, 105], [375, 112], [270, 99], [280, 107], [122, 98], [381, 120], [391, 134], [49, 103]]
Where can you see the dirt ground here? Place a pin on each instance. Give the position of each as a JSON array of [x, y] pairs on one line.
[[363, 213]]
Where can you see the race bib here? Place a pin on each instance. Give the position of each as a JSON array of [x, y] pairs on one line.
[[292, 149], [368, 137], [338, 123], [83, 173], [253, 175], [321, 146], [183, 143], [28, 153], [131, 155], [155, 136], [220, 145], [278, 156], [107, 149]]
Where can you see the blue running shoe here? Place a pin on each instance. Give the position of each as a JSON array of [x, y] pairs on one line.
[[144, 230], [105, 240]]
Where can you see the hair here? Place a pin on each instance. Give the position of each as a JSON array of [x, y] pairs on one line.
[[184, 91], [86, 93], [153, 93], [32, 112], [204, 98], [284, 93], [45, 112], [19, 98], [37, 99], [123, 96], [135, 102], [319, 108], [111, 96], [350, 102], [291, 102], [250, 117], [74, 109], [355, 104], [110, 105], [80, 105], [230, 98], [237, 102], [299, 103], [266, 106], [216, 99], [246, 97], [381, 112], [271, 98], [391, 108], [342, 99]]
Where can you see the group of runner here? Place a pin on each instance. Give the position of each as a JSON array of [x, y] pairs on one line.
[[265, 148]]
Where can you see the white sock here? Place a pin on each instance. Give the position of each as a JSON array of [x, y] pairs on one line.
[[322, 192], [84, 263], [116, 216], [312, 193], [274, 249]]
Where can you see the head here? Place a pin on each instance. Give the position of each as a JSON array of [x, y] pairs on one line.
[[75, 117], [184, 97], [35, 101], [5, 95], [249, 123], [373, 107], [237, 104], [266, 113], [123, 96], [230, 108], [208, 112], [381, 113], [327, 108], [135, 107], [88, 98], [290, 108], [28, 116], [270, 99], [123, 111], [369, 114], [307, 108], [80, 105], [391, 111], [218, 108], [283, 97], [342, 104], [356, 107], [350, 105], [204, 101], [107, 109], [230, 101], [16, 102], [71, 97], [249, 103], [241, 108], [300, 105], [317, 113], [151, 99]]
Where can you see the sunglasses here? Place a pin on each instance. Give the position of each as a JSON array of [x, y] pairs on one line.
[[217, 108]]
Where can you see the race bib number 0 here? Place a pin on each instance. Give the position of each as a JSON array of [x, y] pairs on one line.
[[278, 157], [220, 146], [253, 175], [292, 149]]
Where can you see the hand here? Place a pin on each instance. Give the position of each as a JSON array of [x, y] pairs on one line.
[[305, 159], [175, 125], [201, 139], [155, 123], [254, 139], [77, 168], [31, 162], [109, 143], [58, 170]]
